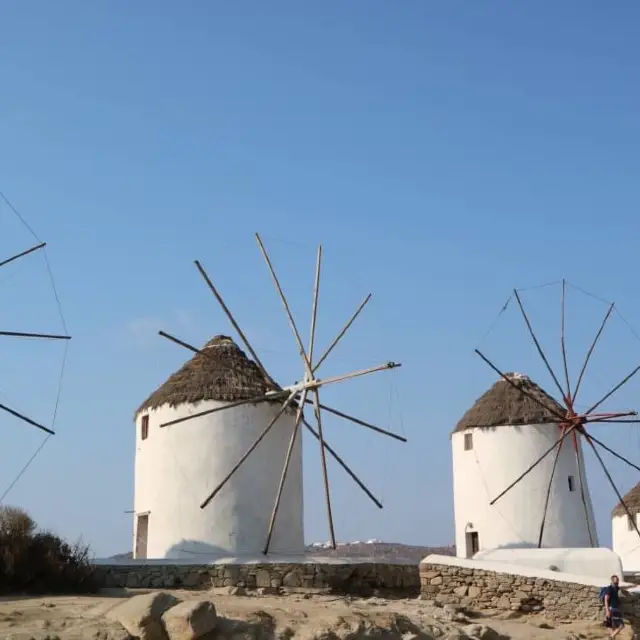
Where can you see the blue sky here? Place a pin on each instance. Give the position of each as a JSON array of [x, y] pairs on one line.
[[443, 153]]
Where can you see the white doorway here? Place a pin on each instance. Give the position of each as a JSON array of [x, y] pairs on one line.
[[472, 541]]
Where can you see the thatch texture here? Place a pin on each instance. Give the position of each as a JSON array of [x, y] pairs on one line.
[[503, 405], [632, 500], [220, 372]]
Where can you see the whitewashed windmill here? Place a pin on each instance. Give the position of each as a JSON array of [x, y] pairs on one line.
[[507, 446], [242, 507]]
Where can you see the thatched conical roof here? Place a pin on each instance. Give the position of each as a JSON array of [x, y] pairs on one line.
[[222, 372], [632, 500], [503, 405]]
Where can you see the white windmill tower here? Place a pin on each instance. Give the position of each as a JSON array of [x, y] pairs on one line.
[[519, 474], [221, 424], [623, 529]]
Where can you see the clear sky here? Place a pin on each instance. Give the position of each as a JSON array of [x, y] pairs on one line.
[[443, 153]]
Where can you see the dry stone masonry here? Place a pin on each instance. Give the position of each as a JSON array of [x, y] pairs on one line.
[[478, 589], [362, 579]]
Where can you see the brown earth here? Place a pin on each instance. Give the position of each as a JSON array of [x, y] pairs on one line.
[[299, 616]]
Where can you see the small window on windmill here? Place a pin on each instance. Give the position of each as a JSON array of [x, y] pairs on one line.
[[144, 427], [630, 523], [468, 441], [571, 484]]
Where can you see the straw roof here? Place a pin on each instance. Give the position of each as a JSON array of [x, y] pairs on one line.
[[632, 500], [221, 371], [504, 405]]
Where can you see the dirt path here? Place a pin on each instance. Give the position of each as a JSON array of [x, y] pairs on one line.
[[283, 618]]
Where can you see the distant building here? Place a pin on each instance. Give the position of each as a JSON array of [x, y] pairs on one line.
[[626, 542], [502, 434], [178, 466]]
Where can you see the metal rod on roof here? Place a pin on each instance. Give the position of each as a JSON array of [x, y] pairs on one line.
[[564, 349], [342, 463], [539, 348], [590, 351], [534, 465], [614, 453], [548, 495], [583, 496], [337, 339], [232, 320], [362, 423], [613, 484], [608, 395], [249, 451], [285, 304], [186, 345], [27, 420], [283, 476], [23, 253], [21, 334], [551, 410]]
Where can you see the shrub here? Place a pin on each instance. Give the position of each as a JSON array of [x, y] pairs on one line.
[[33, 561]]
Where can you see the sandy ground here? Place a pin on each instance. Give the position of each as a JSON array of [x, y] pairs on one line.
[[293, 616]]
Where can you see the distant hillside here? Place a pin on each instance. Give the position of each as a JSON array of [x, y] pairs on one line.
[[373, 550], [395, 552]]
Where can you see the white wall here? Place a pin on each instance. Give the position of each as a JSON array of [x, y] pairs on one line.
[[626, 543], [178, 466], [498, 456], [599, 563]]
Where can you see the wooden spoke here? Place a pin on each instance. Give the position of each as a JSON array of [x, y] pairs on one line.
[[235, 325], [21, 334], [612, 483], [590, 351], [325, 475], [292, 323], [285, 469], [564, 348], [614, 453], [249, 451], [608, 395], [534, 465], [539, 348], [230, 405], [341, 334], [314, 309], [583, 496], [23, 253], [548, 495], [363, 372], [26, 419], [550, 410], [342, 463], [362, 423]]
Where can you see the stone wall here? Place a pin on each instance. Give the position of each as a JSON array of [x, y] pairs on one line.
[[479, 589], [358, 579]]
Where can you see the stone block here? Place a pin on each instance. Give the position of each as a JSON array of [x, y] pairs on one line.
[[142, 615], [190, 620]]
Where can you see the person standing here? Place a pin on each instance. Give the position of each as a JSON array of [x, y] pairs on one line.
[[612, 610]]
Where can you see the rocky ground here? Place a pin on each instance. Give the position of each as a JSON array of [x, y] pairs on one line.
[[263, 617]]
